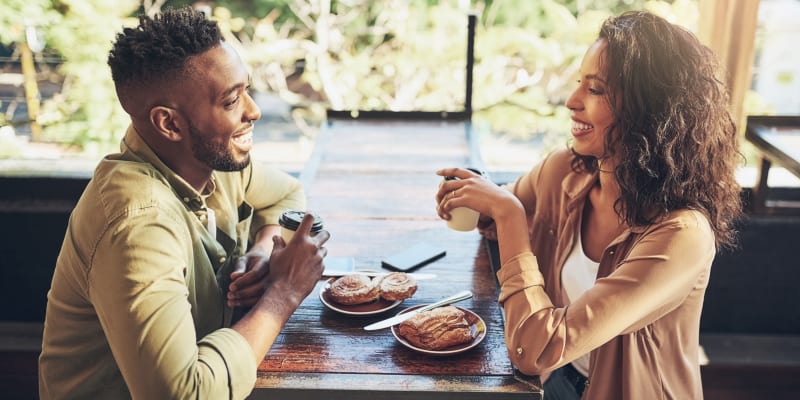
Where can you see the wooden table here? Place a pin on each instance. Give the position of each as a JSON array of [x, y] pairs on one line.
[[374, 185], [778, 140]]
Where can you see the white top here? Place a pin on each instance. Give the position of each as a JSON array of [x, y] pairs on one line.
[[577, 276]]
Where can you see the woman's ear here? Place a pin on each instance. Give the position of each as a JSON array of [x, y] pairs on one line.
[[166, 122]]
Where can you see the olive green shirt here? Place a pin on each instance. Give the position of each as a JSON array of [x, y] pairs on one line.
[[137, 303]]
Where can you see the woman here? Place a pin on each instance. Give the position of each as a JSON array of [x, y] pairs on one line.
[[606, 248]]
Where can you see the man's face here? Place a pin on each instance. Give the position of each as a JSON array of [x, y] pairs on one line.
[[218, 155], [219, 110]]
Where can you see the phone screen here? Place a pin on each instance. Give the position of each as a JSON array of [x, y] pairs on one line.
[[413, 257]]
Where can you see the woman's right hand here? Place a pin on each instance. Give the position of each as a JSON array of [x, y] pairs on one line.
[[508, 225], [475, 192]]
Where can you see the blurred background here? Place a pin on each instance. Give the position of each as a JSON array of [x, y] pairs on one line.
[[59, 115], [57, 101]]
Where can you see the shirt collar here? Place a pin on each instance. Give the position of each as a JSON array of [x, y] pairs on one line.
[[133, 145], [576, 186]]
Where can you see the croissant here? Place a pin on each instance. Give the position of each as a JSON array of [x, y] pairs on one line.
[[397, 286], [437, 329], [354, 289]]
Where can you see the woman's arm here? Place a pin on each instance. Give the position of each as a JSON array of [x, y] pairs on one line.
[[653, 279]]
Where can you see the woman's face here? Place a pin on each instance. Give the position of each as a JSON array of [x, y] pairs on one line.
[[591, 111]]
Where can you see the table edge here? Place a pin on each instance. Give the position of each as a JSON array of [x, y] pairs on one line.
[[337, 382]]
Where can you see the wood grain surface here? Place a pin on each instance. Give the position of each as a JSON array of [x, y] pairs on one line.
[[374, 183]]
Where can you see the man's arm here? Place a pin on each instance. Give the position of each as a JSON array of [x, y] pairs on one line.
[[247, 279], [295, 268]]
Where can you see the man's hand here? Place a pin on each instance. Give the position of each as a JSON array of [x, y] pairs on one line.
[[248, 278], [295, 267], [294, 270]]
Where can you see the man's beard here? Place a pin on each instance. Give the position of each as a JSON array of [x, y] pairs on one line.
[[216, 156]]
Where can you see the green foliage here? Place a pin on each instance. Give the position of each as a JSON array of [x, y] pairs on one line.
[[396, 55], [86, 112], [15, 15], [411, 55]]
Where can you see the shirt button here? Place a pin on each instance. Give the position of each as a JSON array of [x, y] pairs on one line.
[[185, 199], [519, 351], [221, 260], [550, 232]]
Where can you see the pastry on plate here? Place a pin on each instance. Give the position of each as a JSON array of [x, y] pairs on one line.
[[437, 329], [354, 289], [397, 286]]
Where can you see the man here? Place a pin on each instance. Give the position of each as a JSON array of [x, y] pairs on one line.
[[153, 261]]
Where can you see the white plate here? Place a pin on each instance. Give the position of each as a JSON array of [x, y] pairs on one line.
[[478, 333], [371, 308]]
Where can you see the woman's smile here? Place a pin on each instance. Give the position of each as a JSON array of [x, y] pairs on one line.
[[580, 128]]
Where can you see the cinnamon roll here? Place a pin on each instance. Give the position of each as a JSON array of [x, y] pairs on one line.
[[437, 329], [397, 286], [354, 289]]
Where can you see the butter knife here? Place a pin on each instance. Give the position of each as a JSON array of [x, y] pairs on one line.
[[404, 316]]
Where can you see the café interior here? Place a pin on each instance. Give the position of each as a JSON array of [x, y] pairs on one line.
[[375, 192]]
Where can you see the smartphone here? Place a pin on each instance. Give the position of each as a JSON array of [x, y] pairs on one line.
[[338, 266], [413, 257]]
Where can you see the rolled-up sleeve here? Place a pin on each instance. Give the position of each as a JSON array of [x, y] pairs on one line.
[[215, 349], [519, 273], [531, 319]]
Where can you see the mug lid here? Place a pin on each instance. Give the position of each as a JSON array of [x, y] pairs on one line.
[[291, 219]]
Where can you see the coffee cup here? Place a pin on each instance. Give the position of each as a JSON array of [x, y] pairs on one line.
[[462, 218], [290, 220]]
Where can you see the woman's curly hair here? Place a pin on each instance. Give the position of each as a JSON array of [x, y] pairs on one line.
[[672, 134], [159, 47]]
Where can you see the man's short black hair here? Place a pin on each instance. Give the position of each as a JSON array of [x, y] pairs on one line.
[[159, 47]]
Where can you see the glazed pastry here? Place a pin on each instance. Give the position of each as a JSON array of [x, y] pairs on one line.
[[437, 329], [397, 286], [354, 289]]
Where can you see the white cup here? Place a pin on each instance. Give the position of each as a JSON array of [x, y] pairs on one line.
[[464, 219]]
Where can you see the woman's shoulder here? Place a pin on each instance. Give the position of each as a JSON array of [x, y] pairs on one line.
[[687, 218], [691, 225], [559, 159], [555, 164], [553, 169]]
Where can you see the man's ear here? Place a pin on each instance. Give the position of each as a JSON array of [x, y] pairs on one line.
[[166, 122]]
